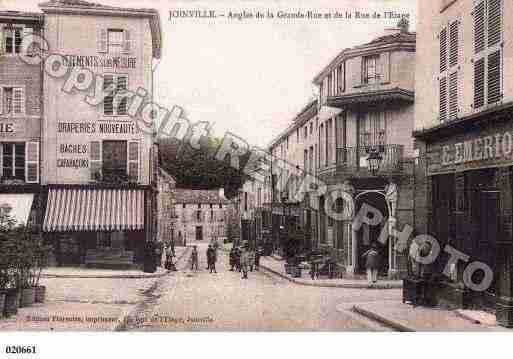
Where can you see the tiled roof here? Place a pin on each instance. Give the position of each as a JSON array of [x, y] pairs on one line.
[[197, 196], [393, 38]]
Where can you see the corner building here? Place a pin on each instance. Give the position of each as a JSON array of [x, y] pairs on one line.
[[464, 129], [100, 167]]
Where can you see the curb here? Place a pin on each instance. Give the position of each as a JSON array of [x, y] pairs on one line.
[[113, 276], [330, 285], [380, 319], [121, 323]]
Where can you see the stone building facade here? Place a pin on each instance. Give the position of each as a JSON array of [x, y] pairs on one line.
[[366, 97], [20, 119], [463, 124], [202, 215]]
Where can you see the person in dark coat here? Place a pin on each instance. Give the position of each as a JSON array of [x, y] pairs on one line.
[[233, 258], [372, 262], [194, 258], [211, 259], [237, 259]]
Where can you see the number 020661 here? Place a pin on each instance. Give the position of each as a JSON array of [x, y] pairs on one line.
[[20, 349]]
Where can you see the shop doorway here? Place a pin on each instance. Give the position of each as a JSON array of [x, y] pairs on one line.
[[367, 235], [199, 233]]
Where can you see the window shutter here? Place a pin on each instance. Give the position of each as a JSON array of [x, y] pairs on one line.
[[121, 86], [453, 95], [358, 73], [127, 42], [2, 40], [133, 161], [494, 23], [443, 50], [32, 162], [102, 40], [18, 100], [1, 100], [385, 67], [443, 99], [108, 102], [479, 83], [95, 159], [479, 27], [494, 77], [454, 43]]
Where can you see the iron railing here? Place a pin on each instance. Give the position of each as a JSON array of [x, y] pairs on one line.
[[356, 158]]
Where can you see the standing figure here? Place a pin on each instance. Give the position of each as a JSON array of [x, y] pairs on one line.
[[211, 259], [194, 258], [244, 262], [257, 257], [372, 261], [233, 258]]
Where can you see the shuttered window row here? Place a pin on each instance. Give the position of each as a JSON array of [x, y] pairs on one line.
[[488, 55], [449, 38]]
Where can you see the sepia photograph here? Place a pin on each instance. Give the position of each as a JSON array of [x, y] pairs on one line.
[[265, 167]]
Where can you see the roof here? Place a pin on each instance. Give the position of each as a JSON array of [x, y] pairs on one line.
[[20, 15], [199, 196], [398, 39], [91, 8], [393, 38], [306, 113]]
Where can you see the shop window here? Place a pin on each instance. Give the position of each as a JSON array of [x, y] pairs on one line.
[[104, 240], [12, 38], [12, 101], [13, 161], [116, 103], [114, 160], [115, 41]]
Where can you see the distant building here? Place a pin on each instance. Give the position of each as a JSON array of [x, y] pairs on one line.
[[201, 215]]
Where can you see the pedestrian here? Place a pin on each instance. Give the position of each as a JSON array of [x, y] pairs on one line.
[[233, 258], [372, 260], [194, 258], [237, 259], [211, 259], [244, 262], [169, 265], [257, 258]]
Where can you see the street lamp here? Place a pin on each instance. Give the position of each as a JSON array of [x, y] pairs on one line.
[[374, 160]]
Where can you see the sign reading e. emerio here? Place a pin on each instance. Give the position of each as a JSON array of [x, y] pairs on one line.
[[496, 147]]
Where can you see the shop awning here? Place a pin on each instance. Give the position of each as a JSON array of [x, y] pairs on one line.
[[17, 206], [83, 209]]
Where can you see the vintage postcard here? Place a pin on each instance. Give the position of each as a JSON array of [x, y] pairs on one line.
[[255, 166]]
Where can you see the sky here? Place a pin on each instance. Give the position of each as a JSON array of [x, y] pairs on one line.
[[252, 76]]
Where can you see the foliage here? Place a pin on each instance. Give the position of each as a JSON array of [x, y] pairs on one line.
[[198, 168], [23, 254]]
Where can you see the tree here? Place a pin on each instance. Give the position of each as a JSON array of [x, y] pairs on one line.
[[198, 168]]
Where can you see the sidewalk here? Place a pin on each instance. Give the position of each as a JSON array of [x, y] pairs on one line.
[[100, 301], [75, 272], [277, 267], [407, 318]]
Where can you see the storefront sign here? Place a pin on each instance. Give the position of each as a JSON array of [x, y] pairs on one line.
[[94, 128], [495, 147], [119, 62]]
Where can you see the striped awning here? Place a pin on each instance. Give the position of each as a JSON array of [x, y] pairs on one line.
[[84, 209]]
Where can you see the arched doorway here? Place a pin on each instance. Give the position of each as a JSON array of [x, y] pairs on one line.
[[367, 234]]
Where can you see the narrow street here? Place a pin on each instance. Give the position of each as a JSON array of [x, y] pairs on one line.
[[200, 301]]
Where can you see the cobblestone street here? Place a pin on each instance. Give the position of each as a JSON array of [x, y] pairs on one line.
[[223, 301]]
